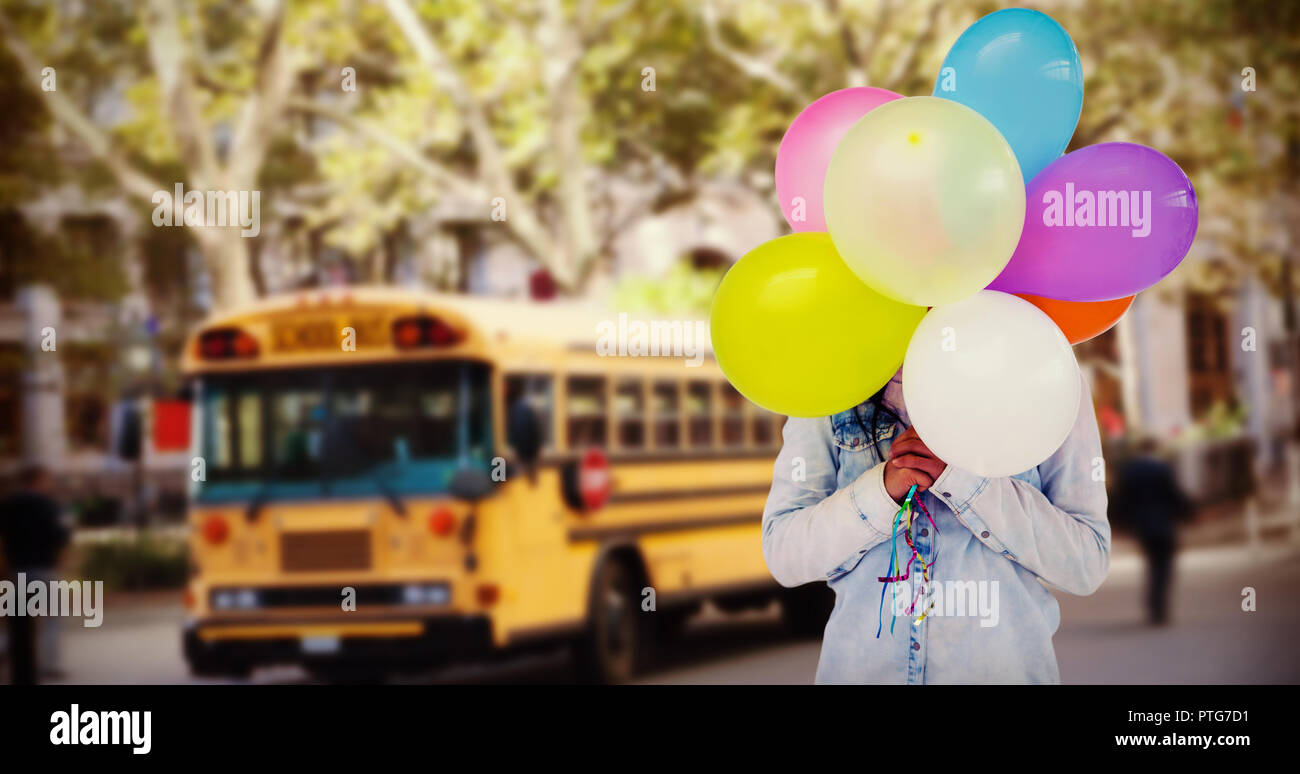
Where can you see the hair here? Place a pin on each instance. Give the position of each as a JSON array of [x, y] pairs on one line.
[[32, 474], [877, 402]]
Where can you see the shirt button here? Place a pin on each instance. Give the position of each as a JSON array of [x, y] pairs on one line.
[[916, 646], [947, 494], [985, 534], [925, 532]]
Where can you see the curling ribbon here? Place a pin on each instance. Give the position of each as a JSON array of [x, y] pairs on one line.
[[907, 509]]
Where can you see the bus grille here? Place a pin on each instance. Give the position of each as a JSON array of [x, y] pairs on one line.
[[319, 551]]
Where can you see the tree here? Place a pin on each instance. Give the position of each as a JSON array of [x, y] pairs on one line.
[[178, 60]]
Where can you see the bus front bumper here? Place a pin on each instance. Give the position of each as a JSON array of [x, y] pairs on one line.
[[229, 647]]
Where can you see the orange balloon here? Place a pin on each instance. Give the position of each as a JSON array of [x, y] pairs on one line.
[[1081, 320]]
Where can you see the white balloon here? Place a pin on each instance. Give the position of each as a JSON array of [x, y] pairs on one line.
[[991, 384]]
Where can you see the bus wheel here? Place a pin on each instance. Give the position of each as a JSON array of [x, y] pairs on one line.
[[805, 609], [613, 647]]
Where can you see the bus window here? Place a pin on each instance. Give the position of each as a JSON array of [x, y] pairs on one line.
[[763, 423], [629, 408], [297, 416], [248, 419], [733, 416], [537, 390], [584, 408], [666, 417], [216, 429], [699, 412]]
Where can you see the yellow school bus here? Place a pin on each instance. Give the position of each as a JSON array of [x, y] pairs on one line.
[[388, 479]]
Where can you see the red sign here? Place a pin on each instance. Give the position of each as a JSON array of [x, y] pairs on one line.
[[171, 425], [593, 479]]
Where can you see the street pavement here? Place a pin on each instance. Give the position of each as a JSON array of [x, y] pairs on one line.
[[1102, 639]]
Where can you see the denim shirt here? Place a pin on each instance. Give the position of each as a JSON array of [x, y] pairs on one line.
[[995, 543]]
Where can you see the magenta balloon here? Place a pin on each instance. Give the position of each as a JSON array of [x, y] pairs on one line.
[[1103, 222], [806, 150]]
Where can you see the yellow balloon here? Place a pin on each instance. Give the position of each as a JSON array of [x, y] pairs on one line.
[[795, 332], [924, 200]]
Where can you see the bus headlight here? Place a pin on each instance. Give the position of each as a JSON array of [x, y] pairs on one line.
[[425, 594], [236, 599]]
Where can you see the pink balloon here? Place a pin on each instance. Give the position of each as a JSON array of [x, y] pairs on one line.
[[806, 150]]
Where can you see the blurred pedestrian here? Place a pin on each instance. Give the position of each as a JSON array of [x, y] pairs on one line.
[[33, 538], [1149, 498], [523, 428]]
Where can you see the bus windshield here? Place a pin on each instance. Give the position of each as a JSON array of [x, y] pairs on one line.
[[346, 431]]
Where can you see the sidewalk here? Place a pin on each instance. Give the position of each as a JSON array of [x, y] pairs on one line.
[[1219, 525]]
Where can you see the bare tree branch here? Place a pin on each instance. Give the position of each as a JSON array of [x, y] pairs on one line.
[[751, 66], [169, 55], [524, 225], [905, 65], [564, 128], [133, 181], [403, 150], [262, 108], [860, 57]]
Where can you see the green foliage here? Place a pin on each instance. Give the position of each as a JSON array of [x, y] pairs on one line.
[[1222, 421], [683, 290], [131, 564], [76, 263], [1164, 72]]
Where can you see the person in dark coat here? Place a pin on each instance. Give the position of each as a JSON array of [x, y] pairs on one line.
[[1149, 498], [524, 429], [33, 537]]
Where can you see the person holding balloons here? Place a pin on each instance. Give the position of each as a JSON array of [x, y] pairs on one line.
[[940, 501]]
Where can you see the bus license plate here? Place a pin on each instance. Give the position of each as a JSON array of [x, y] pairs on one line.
[[320, 644]]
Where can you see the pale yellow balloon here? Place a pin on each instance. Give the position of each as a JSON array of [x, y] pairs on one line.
[[924, 200]]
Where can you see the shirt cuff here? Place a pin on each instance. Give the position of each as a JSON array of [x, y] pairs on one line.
[[957, 487], [875, 506]]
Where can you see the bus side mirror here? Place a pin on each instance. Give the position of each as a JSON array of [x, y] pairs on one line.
[[470, 485]]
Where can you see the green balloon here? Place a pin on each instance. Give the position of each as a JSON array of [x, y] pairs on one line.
[[797, 333]]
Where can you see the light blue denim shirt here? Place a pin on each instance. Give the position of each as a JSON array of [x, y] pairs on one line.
[[999, 540]]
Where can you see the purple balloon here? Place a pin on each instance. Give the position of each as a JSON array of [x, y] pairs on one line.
[[1103, 222]]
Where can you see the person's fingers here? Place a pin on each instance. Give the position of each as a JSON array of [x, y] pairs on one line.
[[908, 445], [922, 479], [930, 465], [913, 445], [908, 433]]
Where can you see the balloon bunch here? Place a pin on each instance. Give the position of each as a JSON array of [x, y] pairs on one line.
[[948, 233]]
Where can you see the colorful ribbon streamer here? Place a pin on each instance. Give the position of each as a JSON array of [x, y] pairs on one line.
[[908, 509]]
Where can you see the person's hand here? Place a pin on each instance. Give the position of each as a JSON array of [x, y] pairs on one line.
[[910, 462]]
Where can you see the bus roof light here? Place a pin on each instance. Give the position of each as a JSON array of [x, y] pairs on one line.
[[421, 331], [227, 344]]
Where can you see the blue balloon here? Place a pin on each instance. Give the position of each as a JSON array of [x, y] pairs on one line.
[[1019, 69]]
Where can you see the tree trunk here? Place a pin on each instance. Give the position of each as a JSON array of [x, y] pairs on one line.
[[225, 254]]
